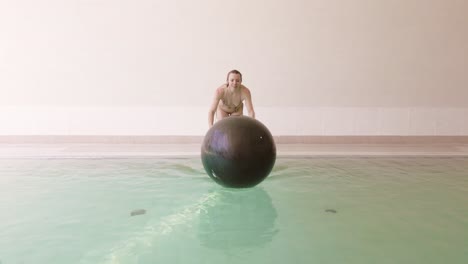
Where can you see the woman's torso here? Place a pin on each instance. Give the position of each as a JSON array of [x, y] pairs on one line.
[[231, 101]]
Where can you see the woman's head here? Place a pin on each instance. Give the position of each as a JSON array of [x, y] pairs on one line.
[[234, 78]]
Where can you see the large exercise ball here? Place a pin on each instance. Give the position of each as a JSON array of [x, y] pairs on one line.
[[238, 152]]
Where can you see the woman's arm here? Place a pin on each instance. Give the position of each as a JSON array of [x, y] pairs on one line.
[[248, 102], [214, 105]]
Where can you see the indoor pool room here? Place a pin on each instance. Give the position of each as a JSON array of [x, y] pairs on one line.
[[236, 132]]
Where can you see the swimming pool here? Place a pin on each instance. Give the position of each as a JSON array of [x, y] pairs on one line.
[[167, 210]]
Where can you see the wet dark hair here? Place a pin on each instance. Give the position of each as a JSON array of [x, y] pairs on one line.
[[234, 72]]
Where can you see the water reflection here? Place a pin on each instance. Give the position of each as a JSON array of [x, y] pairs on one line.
[[240, 219]]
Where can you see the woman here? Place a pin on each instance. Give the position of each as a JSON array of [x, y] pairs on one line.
[[228, 99]]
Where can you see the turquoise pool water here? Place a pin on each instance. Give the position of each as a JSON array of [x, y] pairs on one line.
[[309, 210]]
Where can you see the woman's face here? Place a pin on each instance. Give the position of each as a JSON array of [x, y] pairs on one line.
[[234, 80]]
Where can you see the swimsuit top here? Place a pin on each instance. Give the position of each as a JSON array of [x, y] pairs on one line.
[[236, 107]]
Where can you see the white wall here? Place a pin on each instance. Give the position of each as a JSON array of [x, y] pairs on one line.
[[317, 67]]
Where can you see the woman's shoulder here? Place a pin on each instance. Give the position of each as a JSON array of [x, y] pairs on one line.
[[245, 92], [220, 90], [244, 89], [222, 87]]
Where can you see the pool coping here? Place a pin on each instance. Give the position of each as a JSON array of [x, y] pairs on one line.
[[193, 150]]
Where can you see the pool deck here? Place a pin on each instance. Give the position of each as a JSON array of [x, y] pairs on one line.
[[189, 150]]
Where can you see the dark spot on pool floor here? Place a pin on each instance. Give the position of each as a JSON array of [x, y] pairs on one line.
[[331, 211], [138, 212]]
